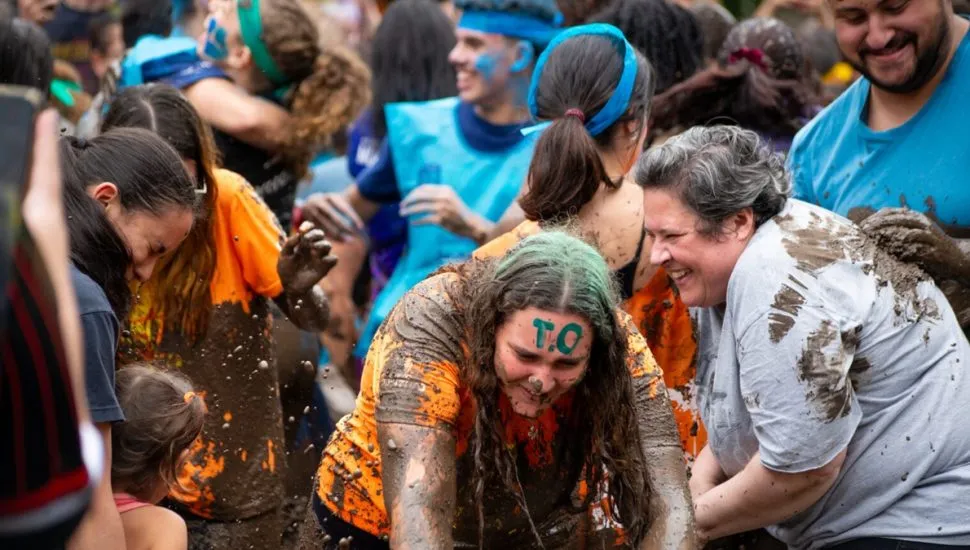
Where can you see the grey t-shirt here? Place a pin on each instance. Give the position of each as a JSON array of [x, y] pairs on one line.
[[826, 343]]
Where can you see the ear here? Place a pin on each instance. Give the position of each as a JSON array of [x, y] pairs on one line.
[[741, 224], [104, 192], [525, 54], [240, 58]]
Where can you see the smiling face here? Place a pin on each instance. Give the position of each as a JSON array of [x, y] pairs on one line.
[[899, 45], [699, 264], [481, 62], [539, 356]]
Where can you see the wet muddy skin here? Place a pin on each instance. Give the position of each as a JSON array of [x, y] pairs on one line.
[[919, 239]]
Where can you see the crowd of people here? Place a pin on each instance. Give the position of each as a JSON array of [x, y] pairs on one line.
[[422, 274]]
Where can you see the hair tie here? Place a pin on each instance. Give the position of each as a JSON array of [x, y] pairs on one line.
[[575, 113], [752, 55]]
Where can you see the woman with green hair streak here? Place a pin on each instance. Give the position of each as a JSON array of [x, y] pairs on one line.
[[506, 403]]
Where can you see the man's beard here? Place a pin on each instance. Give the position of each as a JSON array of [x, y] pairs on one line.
[[929, 61]]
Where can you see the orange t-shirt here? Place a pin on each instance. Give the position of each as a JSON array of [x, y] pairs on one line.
[[664, 321], [413, 375], [231, 471]]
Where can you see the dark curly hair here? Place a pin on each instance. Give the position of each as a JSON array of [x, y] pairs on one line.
[[665, 33], [554, 271]]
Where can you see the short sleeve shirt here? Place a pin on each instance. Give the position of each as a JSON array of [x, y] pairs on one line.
[[100, 327], [838, 162], [827, 344], [413, 375]]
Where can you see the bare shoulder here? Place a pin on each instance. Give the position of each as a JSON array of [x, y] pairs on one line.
[[155, 528]]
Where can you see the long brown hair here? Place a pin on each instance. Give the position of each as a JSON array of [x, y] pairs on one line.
[[554, 271], [566, 171], [163, 416], [180, 283], [330, 87]]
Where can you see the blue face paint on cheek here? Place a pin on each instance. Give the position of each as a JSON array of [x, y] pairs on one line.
[[216, 48], [486, 65]]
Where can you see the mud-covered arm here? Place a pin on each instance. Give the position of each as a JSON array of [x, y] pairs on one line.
[[419, 485], [671, 513], [670, 506], [418, 350]]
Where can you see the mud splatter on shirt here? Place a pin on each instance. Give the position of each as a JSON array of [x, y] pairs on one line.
[[413, 375], [663, 319], [826, 344], [233, 470]]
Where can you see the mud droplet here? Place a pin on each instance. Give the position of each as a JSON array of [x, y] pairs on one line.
[[308, 365], [327, 538], [370, 448], [228, 378], [225, 426], [255, 316], [237, 350], [297, 307], [291, 419], [306, 410], [358, 474], [309, 448], [391, 445], [126, 334], [905, 476], [235, 238], [344, 543], [263, 365], [299, 302]]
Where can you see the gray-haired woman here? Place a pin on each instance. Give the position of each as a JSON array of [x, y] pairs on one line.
[[830, 376]]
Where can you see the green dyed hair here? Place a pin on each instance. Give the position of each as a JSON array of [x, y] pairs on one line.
[[556, 258], [555, 271]]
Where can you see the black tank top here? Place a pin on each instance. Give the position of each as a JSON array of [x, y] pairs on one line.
[[627, 274]]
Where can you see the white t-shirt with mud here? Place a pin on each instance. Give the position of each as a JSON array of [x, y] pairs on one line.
[[825, 344]]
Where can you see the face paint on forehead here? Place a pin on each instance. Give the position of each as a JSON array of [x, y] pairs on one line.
[[541, 327], [565, 342], [215, 48], [562, 342]]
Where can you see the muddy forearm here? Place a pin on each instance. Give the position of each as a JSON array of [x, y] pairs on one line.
[[672, 517], [309, 310], [419, 485]]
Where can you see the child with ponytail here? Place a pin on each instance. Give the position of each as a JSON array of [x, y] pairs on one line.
[[163, 416]]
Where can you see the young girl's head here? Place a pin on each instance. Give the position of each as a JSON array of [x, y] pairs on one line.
[[272, 48], [163, 416]]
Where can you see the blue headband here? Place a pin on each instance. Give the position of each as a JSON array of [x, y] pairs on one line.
[[514, 25], [618, 103]]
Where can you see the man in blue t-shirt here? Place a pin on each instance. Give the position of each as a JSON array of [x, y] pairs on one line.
[[898, 137], [892, 152]]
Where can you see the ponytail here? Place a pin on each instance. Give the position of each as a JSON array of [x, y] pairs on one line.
[[328, 89], [565, 173], [588, 82], [324, 104]]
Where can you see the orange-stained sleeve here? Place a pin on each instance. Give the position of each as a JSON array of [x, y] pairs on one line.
[[256, 236], [419, 347], [639, 359], [501, 244]]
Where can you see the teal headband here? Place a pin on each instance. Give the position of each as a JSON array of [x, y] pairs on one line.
[[513, 25], [251, 28], [618, 103]]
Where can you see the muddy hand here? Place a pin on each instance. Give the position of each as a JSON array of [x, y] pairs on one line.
[[912, 237], [305, 259]]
